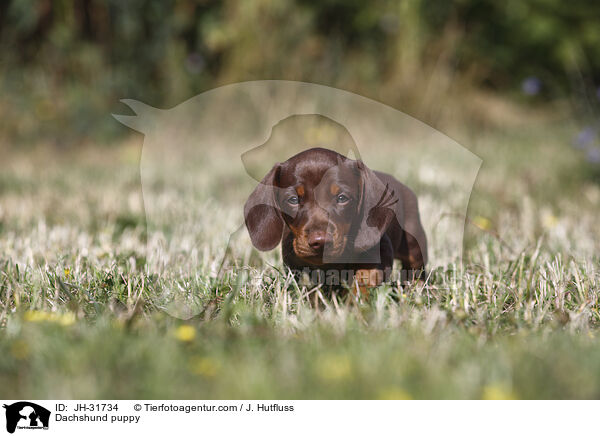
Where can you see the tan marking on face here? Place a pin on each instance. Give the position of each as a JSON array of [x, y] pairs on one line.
[[296, 231], [300, 191], [334, 189], [300, 243]]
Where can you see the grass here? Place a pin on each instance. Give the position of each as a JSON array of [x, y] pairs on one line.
[[82, 303]]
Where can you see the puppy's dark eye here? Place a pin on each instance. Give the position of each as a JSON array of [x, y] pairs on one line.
[[293, 200], [340, 199]]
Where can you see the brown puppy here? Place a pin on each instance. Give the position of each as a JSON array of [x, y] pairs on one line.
[[336, 217]]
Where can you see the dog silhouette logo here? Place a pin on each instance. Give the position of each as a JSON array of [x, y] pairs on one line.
[[26, 415], [201, 160]]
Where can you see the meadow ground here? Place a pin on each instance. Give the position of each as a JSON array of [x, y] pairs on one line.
[[81, 317]]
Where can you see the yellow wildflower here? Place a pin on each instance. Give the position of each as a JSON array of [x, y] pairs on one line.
[[64, 319], [185, 333], [549, 221], [482, 222], [204, 366], [334, 367], [394, 394], [497, 392]]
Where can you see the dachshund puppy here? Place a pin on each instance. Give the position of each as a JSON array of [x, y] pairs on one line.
[[337, 218]]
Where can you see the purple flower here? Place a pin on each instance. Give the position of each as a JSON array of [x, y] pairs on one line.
[[585, 137], [531, 85], [593, 155]]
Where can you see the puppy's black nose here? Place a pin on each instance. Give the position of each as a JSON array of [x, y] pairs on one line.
[[317, 240]]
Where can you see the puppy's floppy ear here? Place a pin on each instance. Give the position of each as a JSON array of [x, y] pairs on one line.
[[378, 205], [262, 215]]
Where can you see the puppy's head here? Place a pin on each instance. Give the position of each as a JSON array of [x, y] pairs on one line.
[[334, 207]]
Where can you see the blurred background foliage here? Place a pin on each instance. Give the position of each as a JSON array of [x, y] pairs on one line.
[[66, 63]]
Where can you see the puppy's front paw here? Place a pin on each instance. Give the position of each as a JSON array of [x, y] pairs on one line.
[[367, 278]]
